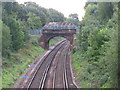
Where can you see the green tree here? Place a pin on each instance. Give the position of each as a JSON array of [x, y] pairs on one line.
[[55, 15], [98, 45], [6, 40], [17, 34], [105, 10], [73, 18], [34, 22], [41, 12]]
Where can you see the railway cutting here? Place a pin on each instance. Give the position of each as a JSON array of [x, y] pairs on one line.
[[53, 69]]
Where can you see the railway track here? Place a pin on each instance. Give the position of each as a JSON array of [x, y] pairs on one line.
[[53, 71]]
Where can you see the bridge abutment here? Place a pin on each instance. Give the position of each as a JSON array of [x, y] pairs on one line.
[[57, 29]]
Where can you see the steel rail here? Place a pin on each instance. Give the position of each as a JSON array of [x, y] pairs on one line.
[[71, 83], [55, 72], [62, 42], [65, 73], [42, 83], [64, 78]]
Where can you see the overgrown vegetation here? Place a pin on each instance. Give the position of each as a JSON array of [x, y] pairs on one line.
[[96, 60], [54, 40], [18, 48], [18, 18], [17, 63]]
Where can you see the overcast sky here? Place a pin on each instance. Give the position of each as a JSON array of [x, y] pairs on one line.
[[64, 6]]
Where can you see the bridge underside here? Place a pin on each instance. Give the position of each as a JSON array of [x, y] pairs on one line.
[[44, 39], [57, 29]]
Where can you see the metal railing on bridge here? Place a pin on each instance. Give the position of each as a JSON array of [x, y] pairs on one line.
[[54, 26], [35, 31]]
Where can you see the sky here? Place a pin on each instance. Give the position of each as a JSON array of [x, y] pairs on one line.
[[64, 6]]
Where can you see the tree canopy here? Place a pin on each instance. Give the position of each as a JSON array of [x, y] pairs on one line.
[[17, 18], [97, 46]]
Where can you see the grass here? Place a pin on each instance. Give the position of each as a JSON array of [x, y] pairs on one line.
[[89, 75], [16, 65], [79, 67], [55, 40]]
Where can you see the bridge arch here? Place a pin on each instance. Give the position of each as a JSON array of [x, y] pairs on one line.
[[63, 36], [53, 40], [57, 29], [45, 39]]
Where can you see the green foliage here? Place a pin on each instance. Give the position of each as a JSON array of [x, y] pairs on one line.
[[34, 22], [45, 15], [16, 64], [73, 18], [118, 43], [19, 49], [54, 40], [105, 10], [56, 16], [98, 46], [22, 17], [16, 33], [6, 40]]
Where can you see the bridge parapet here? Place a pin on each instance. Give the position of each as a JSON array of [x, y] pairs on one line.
[[57, 29]]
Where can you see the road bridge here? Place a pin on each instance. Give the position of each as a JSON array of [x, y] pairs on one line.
[[57, 29]]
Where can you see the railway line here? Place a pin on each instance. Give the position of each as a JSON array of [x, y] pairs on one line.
[[52, 71]]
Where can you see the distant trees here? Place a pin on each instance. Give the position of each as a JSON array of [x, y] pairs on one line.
[[73, 18], [46, 15], [56, 16], [34, 21]]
